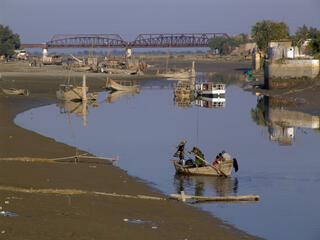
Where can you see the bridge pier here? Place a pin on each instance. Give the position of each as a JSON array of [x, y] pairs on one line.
[[128, 52], [45, 52]]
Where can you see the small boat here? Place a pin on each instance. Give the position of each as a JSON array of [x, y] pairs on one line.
[[209, 89], [176, 75], [70, 93], [221, 169], [125, 86], [13, 91]]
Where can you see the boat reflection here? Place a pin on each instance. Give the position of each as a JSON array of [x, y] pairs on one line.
[[200, 184], [210, 102], [77, 108], [112, 96], [280, 121], [184, 97]]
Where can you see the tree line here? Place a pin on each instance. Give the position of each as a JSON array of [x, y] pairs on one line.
[[265, 31]]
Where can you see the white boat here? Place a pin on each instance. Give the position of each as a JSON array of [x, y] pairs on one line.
[[221, 169], [210, 88]]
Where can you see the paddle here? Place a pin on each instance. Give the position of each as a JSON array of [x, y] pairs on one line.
[[209, 164]]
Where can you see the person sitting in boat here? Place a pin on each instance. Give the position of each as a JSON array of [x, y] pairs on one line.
[[199, 156], [226, 156], [216, 161]]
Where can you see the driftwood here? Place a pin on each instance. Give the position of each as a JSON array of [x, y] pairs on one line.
[[75, 192], [184, 197], [75, 157]]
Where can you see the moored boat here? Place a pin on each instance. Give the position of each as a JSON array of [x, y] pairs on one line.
[[210, 88], [114, 86]]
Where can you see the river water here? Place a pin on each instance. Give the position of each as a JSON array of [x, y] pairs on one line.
[[277, 151]]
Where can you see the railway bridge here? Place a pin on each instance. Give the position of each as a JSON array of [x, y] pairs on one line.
[[148, 40]]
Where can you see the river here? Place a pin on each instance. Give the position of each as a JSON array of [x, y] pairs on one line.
[[277, 151]]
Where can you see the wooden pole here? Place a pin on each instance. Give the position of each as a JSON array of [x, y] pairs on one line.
[[184, 197], [84, 90]]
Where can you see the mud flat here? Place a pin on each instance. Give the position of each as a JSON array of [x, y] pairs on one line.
[[61, 203]]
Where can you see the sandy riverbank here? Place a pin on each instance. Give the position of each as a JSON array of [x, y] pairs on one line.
[[45, 215]]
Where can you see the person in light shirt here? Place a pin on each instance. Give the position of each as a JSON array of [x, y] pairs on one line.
[[225, 155]]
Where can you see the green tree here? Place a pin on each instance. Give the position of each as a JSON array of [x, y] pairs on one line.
[[265, 31], [226, 45], [304, 33], [8, 41]]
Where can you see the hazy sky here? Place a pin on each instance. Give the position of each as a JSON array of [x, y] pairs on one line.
[[37, 20]]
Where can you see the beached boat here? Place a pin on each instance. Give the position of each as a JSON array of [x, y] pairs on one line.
[[125, 86], [176, 75], [221, 169], [70, 93], [13, 91], [209, 88]]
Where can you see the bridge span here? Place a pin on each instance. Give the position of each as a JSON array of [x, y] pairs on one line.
[[149, 40]]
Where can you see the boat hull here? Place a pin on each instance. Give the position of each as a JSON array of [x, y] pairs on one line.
[[114, 86], [221, 169]]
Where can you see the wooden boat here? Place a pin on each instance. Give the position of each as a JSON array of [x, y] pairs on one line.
[[221, 169], [13, 91], [209, 88], [176, 75], [184, 89], [70, 93], [114, 86]]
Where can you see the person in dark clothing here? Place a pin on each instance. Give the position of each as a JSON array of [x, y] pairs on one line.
[[180, 150]]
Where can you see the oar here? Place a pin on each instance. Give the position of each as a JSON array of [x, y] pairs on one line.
[[214, 167]]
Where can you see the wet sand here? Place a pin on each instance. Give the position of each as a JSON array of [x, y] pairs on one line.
[[81, 215]]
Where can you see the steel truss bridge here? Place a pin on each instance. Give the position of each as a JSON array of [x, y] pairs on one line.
[[161, 40]]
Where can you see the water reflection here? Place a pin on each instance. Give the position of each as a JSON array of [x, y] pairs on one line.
[[184, 97], [198, 185], [77, 108], [273, 113], [112, 96]]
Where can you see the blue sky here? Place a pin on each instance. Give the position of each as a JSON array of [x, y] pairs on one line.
[[37, 20]]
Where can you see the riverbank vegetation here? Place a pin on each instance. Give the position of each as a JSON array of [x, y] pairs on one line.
[[225, 46], [8, 41]]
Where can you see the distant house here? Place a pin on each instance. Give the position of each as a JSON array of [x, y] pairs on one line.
[[283, 49]]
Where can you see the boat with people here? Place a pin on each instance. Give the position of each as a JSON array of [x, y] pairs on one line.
[[222, 165], [210, 88], [221, 169]]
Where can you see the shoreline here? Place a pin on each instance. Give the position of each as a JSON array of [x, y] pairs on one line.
[[83, 216]]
